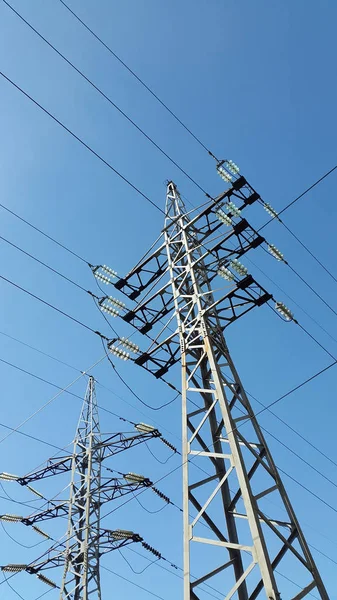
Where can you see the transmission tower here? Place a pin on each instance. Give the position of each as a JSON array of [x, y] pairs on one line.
[[86, 540], [244, 525]]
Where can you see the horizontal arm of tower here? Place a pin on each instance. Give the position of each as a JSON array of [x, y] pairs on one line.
[[144, 274], [236, 303], [241, 191], [246, 295], [57, 510], [148, 271], [116, 539], [221, 252], [110, 540], [119, 442], [152, 310], [53, 467], [53, 557], [208, 222], [118, 487], [50, 563]]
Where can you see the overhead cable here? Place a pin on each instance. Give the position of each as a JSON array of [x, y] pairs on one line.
[[51, 400], [106, 97], [52, 306], [138, 79], [82, 142]]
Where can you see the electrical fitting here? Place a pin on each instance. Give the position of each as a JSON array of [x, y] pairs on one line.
[[225, 273], [225, 219], [284, 311], [238, 267], [275, 252]]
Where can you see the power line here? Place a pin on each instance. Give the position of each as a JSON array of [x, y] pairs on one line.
[[32, 437], [40, 351], [83, 289], [308, 190], [94, 297], [6, 362], [297, 387], [302, 437], [122, 418], [26, 504], [108, 99], [145, 196], [171, 572], [173, 470], [76, 320], [46, 235], [307, 463], [307, 333], [140, 587], [311, 288], [82, 142], [293, 301], [59, 387], [120, 377], [300, 196], [296, 584], [43, 263], [115, 332], [44, 594], [64, 389], [301, 308], [75, 395], [292, 233], [307, 489], [286, 474], [118, 416], [266, 407], [136, 408], [20, 543], [11, 587], [139, 79], [309, 252], [205, 148], [300, 458], [53, 307], [152, 562], [158, 564], [61, 275]]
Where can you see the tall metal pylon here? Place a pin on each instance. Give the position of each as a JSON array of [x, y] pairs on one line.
[[86, 540], [243, 525], [81, 578]]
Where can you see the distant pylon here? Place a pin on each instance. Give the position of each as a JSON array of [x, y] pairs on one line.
[[86, 540]]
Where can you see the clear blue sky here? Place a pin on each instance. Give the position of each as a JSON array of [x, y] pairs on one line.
[[256, 82]]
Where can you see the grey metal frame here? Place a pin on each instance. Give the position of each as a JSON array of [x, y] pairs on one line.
[[246, 537], [85, 541]]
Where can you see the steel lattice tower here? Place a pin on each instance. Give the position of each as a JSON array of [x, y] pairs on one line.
[[244, 525], [86, 541], [81, 577]]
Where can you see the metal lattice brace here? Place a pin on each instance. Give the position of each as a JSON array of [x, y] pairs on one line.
[[245, 473], [244, 525]]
